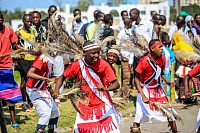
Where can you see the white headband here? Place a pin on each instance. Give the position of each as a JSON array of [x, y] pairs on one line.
[[91, 46], [113, 51]]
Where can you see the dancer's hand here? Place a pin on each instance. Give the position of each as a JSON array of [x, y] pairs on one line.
[[51, 80], [100, 87], [145, 99]]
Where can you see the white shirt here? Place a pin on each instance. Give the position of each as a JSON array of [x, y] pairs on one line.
[[121, 25], [125, 34], [77, 28], [172, 30], [144, 28], [58, 67]]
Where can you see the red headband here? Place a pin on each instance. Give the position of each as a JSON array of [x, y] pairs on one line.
[[156, 44]]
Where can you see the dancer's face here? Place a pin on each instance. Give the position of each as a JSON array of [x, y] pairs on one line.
[[112, 58], [91, 56]]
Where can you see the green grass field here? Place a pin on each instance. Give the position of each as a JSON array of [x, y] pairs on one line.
[[28, 120]]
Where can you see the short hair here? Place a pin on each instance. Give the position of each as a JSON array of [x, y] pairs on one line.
[[52, 6], [75, 10], [152, 12], [1, 15], [181, 24], [95, 13], [195, 16], [98, 15], [36, 12], [127, 21], [153, 41], [163, 36], [107, 17], [25, 15], [135, 9], [122, 12]]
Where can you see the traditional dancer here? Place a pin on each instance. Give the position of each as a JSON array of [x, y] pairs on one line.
[[149, 73], [192, 73], [99, 115], [37, 89]]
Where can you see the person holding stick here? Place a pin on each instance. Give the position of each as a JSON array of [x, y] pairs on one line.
[[149, 75]]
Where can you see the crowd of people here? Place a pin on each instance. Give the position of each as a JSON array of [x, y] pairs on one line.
[[168, 56]]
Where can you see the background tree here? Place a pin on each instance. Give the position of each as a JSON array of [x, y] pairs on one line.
[[192, 9], [8, 15], [84, 4], [172, 14]]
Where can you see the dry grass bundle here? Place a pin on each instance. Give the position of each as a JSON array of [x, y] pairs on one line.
[[118, 101], [136, 43], [141, 42], [58, 40], [76, 94], [170, 114], [197, 42], [186, 57], [129, 46]]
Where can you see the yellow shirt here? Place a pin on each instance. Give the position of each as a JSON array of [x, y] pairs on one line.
[[91, 30], [27, 37], [180, 43]]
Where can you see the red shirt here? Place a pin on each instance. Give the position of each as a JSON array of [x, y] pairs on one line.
[[42, 69], [195, 71], [7, 36], [101, 68], [145, 69]]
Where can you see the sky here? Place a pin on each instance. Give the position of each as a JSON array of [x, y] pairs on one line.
[[11, 5]]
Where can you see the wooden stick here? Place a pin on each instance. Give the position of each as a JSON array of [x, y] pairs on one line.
[[13, 52]]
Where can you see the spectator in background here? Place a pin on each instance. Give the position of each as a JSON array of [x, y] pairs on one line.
[[196, 24], [85, 26], [141, 26], [127, 58], [9, 90], [91, 29], [174, 27], [124, 14], [188, 25], [52, 9], [40, 30], [75, 27], [25, 34], [152, 14]]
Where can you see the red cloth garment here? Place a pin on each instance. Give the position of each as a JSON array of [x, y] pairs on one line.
[[7, 36], [93, 120], [195, 71], [42, 69], [102, 69], [145, 69]]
